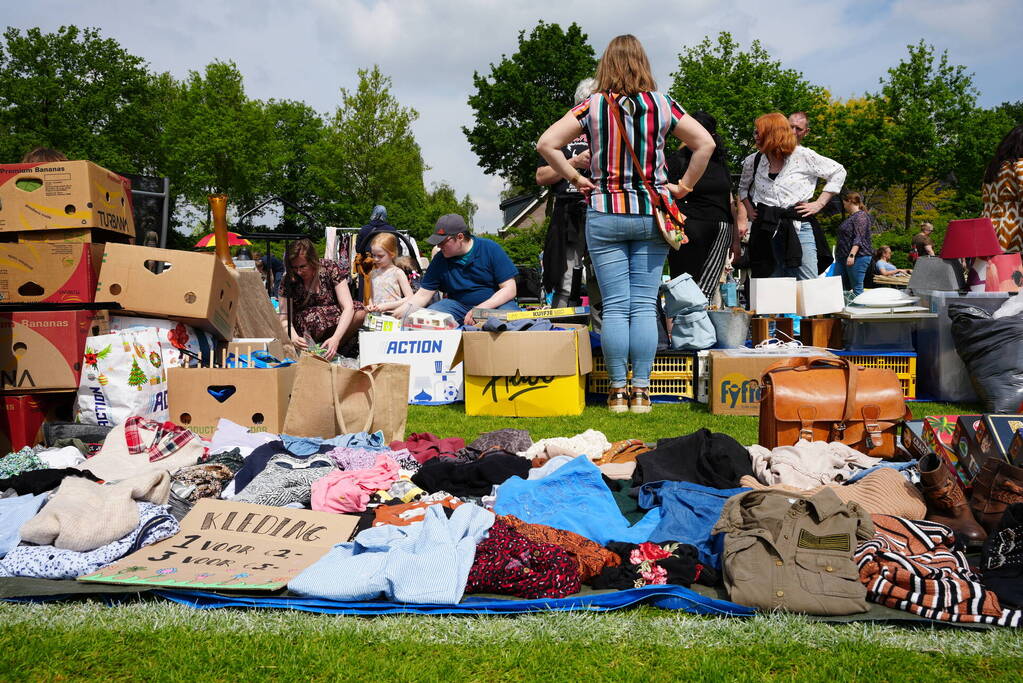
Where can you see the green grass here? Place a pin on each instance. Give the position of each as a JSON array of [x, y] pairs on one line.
[[163, 641]]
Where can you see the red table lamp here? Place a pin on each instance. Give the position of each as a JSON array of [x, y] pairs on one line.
[[969, 238]]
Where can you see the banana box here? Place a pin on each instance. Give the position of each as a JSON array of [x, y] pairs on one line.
[[44, 272], [64, 195]]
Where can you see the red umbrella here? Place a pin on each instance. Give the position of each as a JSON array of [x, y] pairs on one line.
[[233, 240]]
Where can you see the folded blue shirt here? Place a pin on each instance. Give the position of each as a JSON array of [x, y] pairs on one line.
[[307, 445], [574, 498]]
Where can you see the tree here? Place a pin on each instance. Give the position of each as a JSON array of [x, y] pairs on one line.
[[522, 96], [294, 129], [735, 87], [216, 139], [367, 156], [851, 132], [927, 104], [136, 378], [77, 92]]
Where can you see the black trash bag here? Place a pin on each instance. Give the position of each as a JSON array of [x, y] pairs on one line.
[[992, 350]]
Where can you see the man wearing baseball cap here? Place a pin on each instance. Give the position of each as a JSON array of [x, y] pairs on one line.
[[472, 272]]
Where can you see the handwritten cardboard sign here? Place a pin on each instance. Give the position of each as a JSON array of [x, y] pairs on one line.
[[230, 545]]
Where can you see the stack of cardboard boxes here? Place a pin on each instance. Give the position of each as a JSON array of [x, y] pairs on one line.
[[66, 260], [54, 218]]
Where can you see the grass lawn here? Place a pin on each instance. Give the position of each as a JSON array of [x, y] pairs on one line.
[[162, 641]]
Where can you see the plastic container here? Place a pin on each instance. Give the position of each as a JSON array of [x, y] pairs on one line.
[[941, 373], [872, 335]]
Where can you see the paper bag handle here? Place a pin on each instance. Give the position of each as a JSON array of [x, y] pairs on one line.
[[337, 403]]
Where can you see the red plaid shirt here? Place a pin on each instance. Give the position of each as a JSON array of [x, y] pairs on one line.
[[167, 439]]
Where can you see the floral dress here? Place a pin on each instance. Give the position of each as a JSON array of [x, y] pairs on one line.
[[316, 313]]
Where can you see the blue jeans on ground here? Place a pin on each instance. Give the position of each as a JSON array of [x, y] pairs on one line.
[[459, 310], [852, 276], [628, 256], [807, 270]]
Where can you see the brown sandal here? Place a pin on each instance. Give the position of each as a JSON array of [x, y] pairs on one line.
[[618, 400]]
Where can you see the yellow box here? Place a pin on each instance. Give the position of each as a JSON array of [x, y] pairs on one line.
[[526, 374]]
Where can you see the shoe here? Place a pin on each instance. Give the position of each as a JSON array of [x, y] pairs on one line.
[[618, 400], [946, 501], [996, 487], [623, 451], [640, 401]]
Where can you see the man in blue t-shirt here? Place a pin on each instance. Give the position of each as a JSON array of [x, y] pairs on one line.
[[472, 272]]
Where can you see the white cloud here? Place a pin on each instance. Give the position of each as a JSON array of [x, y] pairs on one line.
[[306, 51]]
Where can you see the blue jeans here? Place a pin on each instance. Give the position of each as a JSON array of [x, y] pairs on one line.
[[852, 276], [628, 256], [458, 310], [807, 270]]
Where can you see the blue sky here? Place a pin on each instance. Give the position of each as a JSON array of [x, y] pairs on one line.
[[306, 50]]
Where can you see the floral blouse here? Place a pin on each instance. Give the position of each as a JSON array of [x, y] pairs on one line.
[[316, 313]]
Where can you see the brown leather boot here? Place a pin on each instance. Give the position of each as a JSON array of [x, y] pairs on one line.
[[946, 502], [997, 486]]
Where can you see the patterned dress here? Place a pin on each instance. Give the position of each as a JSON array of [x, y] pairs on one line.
[[316, 313], [1003, 204]]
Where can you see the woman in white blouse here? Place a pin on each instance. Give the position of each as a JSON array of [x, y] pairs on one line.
[[777, 186]]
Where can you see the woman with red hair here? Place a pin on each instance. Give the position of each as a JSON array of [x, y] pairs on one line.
[[776, 187]]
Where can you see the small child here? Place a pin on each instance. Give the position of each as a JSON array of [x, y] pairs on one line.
[[389, 284]]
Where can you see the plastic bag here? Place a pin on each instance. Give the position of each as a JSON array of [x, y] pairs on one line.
[[992, 350], [123, 374]]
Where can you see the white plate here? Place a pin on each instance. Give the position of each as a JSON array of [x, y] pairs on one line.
[[909, 300]]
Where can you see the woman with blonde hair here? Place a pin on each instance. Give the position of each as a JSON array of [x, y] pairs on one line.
[[776, 186], [624, 242]]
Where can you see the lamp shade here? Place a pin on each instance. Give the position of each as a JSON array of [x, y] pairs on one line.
[[933, 274], [970, 238]]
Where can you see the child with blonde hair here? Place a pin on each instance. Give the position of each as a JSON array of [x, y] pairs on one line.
[[389, 284]]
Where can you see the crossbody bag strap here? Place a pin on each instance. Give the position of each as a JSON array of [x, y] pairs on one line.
[[753, 178], [655, 197]]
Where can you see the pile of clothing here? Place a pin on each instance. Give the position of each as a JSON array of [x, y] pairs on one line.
[[815, 528]]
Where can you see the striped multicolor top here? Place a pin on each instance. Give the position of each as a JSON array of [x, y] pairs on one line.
[[649, 117]]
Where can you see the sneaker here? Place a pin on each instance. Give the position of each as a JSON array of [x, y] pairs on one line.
[[618, 400], [640, 401]]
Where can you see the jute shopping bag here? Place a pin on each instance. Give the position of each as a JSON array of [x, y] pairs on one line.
[[328, 400]]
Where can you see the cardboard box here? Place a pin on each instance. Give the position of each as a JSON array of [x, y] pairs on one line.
[[735, 376], [429, 355], [1016, 449], [61, 195], [43, 350], [256, 398], [245, 347], [49, 273], [773, 295], [966, 447], [526, 374], [78, 235], [819, 296], [193, 288], [912, 439], [994, 434], [21, 422], [233, 546]]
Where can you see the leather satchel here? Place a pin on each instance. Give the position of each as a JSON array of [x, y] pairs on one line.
[[829, 399]]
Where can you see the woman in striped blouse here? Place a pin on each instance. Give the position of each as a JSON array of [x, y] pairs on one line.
[[624, 242]]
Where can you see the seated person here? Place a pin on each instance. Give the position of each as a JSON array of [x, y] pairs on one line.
[[473, 272], [884, 266], [315, 295]]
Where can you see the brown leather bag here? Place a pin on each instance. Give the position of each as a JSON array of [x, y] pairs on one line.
[[829, 399]]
